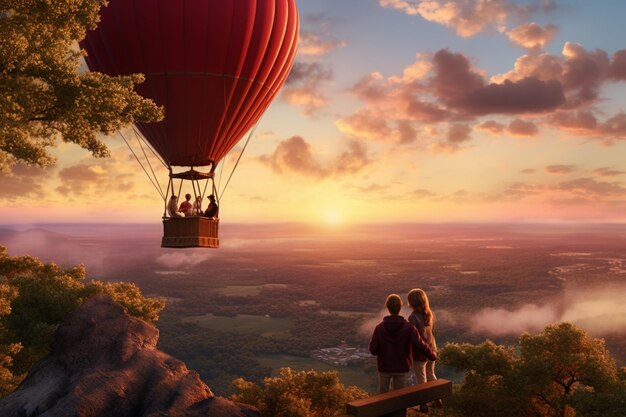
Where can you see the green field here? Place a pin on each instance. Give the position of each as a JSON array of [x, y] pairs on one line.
[[348, 375], [244, 323]]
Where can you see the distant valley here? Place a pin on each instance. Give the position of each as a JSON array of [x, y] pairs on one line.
[[273, 294]]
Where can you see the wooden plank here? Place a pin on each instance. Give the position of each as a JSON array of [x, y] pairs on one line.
[[394, 401]]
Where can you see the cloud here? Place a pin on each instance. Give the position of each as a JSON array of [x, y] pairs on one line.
[[180, 260], [579, 72], [615, 126], [23, 181], [352, 160], [313, 44], [440, 90], [315, 39], [519, 127], [459, 133], [560, 169], [465, 90], [590, 188], [581, 191], [528, 171], [367, 124], [422, 193], [608, 172], [617, 70], [466, 18], [532, 35], [454, 77], [82, 179], [491, 126], [529, 95], [578, 121], [295, 155], [303, 86], [600, 312], [500, 321]]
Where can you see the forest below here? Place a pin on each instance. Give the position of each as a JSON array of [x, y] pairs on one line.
[[266, 304]]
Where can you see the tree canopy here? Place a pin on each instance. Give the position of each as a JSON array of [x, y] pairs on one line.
[[36, 297], [298, 394], [44, 95], [560, 372]]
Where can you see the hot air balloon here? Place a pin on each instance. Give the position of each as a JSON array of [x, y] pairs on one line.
[[215, 65]]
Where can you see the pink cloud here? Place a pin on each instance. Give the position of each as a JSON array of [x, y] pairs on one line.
[[615, 126], [453, 77], [532, 35], [295, 155], [608, 172], [367, 124], [303, 86], [560, 169], [617, 70], [529, 95], [466, 18], [579, 71], [583, 121], [422, 193], [491, 126], [459, 133], [317, 45], [315, 38], [23, 181], [520, 127], [590, 188], [91, 178], [463, 89], [446, 89]]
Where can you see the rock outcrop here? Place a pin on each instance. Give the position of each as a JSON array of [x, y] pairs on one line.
[[104, 363]]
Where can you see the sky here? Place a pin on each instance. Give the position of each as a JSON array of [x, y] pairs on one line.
[[402, 111]]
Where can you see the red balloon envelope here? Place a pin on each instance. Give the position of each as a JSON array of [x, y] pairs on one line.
[[214, 64]]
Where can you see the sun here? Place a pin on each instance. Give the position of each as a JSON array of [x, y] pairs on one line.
[[333, 217]]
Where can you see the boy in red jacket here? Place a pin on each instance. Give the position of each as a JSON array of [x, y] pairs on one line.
[[393, 342]]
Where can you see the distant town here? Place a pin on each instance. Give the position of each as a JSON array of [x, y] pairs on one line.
[[342, 355]]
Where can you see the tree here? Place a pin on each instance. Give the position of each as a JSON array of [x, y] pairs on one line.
[[36, 297], [298, 394], [44, 96], [560, 372]]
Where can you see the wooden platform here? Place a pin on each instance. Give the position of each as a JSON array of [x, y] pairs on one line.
[[190, 232], [395, 403]]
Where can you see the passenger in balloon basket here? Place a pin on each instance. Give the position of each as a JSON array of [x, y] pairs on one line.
[[197, 206], [186, 207], [172, 207], [213, 210]]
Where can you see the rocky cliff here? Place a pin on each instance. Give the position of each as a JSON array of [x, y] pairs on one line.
[[104, 363]]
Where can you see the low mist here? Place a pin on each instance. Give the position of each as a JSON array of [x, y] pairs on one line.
[[183, 260], [600, 312]]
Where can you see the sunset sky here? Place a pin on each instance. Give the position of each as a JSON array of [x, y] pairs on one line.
[[404, 111]]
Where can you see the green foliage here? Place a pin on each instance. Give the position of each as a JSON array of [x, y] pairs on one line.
[[44, 95], [35, 297], [557, 373], [298, 394]]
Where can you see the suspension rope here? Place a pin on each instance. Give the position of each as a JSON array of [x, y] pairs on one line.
[[143, 139], [239, 158], [156, 178], [222, 163], [142, 167]]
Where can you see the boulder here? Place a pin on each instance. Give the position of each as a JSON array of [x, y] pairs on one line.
[[105, 363]]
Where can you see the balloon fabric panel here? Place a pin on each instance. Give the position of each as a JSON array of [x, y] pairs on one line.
[[214, 64]]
